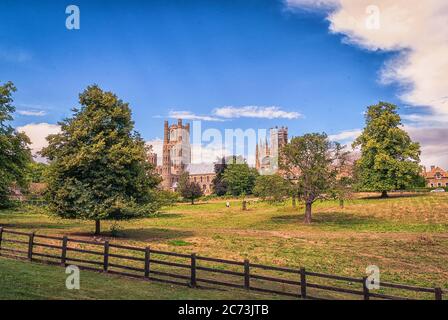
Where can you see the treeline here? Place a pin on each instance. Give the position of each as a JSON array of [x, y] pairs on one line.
[[98, 169], [314, 168]]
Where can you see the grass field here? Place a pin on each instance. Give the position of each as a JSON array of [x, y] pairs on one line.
[[405, 235], [24, 280]]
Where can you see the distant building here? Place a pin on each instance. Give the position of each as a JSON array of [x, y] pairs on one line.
[[203, 174], [267, 155], [176, 159], [436, 177]]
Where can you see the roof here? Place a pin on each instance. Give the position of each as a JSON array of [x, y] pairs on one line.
[[200, 168], [432, 173]]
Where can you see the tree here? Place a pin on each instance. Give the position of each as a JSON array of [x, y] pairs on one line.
[[218, 183], [36, 172], [188, 189], [313, 164], [240, 178], [389, 159], [273, 188], [98, 168], [343, 190], [15, 154]]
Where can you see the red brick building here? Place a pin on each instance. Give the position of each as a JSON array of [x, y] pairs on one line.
[[436, 177]]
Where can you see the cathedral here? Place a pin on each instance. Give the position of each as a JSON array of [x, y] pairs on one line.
[[267, 154], [176, 159]]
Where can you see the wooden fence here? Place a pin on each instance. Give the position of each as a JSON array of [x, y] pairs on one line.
[[21, 245]]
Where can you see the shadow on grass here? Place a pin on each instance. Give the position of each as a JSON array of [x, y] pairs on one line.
[[36, 225], [147, 234], [338, 219], [392, 196]]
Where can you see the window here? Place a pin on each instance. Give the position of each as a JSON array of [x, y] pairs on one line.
[[432, 185], [439, 184], [438, 175]]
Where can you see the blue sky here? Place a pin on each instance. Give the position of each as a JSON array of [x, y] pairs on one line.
[[165, 57]]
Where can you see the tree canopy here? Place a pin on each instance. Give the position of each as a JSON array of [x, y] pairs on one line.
[[272, 188], [15, 154], [389, 158], [189, 189], [98, 168], [314, 164], [240, 178], [36, 172]]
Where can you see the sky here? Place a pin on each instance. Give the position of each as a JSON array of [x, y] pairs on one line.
[[313, 66]]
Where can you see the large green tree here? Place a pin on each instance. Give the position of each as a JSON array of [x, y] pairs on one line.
[[240, 178], [98, 168], [15, 154], [389, 158], [314, 164]]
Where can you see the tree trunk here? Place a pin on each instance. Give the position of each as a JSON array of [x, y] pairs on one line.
[[97, 227], [341, 203], [294, 205], [244, 205], [384, 195], [308, 212]]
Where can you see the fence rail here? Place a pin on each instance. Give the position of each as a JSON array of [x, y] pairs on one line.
[[103, 258]]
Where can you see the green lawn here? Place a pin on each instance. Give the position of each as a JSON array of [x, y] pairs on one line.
[[406, 236], [25, 280]]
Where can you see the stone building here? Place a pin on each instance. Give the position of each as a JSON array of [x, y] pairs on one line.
[[267, 154], [176, 159], [436, 177]]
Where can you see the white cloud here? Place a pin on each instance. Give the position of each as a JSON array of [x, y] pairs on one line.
[[187, 115], [207, 153], [35, 113], [415, 28], [347, 136], [273, 112], [157, 148], [37, 132], [432, 140], [230, 112], [433, 144]]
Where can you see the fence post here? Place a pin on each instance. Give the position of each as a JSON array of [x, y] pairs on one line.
[[64, 250], [147, 258], [365, 289], [106, 256], [438, 292], [1, 235], [246, 274], [30, 246], [303, 283], [193, 270]]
